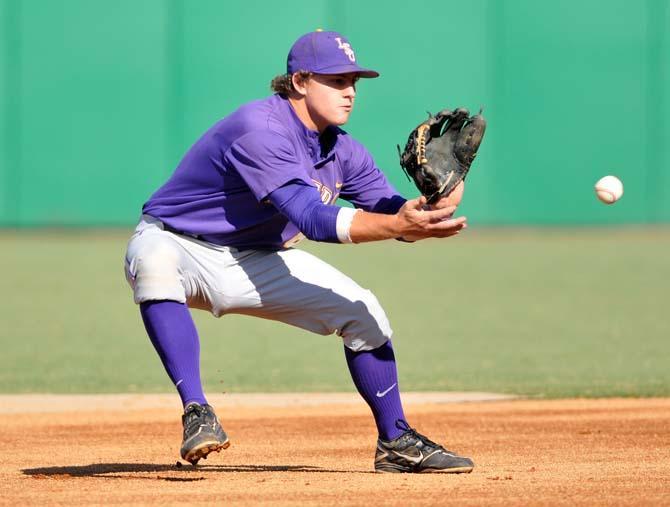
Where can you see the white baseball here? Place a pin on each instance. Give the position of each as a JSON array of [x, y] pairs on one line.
[[609, 189]]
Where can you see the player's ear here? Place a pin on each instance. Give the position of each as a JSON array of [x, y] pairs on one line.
[[299, 82]]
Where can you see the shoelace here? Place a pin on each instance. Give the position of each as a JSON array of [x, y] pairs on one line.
[[401, 424], [194, 414], [426, 441]]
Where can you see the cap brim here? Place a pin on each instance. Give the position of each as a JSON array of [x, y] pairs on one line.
[[346, 69]]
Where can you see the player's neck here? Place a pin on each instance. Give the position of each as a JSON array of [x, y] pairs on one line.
[[303, 115]]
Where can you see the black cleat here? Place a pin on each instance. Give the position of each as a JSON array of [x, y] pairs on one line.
[[202, 433], [411, 452]]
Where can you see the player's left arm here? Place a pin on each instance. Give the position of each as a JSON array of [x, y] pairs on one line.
[[366, 186]]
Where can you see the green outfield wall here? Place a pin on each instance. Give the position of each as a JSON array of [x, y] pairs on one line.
[[99, 100]]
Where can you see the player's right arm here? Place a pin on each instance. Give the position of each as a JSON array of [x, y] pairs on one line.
[[302, 205], [412, 222], [269, 166]]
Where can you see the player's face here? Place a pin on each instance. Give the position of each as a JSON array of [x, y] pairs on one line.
[[330, 98]]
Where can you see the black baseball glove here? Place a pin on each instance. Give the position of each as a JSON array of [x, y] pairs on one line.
[[440, 150]]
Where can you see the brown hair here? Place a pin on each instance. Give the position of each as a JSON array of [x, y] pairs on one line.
[[283, 84]]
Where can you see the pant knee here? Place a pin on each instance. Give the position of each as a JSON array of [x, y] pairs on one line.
[[154, 273], [368, 327]]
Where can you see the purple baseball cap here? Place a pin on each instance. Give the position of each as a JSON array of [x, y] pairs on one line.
[[324, 53]]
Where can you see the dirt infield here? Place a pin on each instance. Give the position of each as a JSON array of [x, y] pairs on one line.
[[318, 451]]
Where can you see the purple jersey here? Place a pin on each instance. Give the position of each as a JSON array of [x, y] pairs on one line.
[[218, 192]]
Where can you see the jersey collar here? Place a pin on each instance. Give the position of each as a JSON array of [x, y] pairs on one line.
[[321, 147]]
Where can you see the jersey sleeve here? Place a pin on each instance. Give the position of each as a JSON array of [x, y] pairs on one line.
[[266, 160], [366, 186], [302, 205]]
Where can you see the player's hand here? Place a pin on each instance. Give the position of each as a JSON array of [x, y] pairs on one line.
[[453, 199], [416, 221]]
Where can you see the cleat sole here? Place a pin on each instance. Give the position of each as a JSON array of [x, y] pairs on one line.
[[455, 470], [458, 470], [201, 452]]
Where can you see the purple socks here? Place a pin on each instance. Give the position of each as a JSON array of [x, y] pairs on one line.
[[173, 334], [175, 338], [376, 378]]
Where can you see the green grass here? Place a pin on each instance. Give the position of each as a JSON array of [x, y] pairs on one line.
[[552, 312]]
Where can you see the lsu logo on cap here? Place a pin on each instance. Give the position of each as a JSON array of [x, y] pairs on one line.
[[346, 47]]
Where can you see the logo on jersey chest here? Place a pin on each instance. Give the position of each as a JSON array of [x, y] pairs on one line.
[[327, 195]]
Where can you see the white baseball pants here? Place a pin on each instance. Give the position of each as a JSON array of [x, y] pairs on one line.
[[290, 286]]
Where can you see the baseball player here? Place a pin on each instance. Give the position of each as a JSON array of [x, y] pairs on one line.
[[219, 235]]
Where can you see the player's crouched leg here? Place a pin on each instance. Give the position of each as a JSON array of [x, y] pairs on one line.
[[153, 267], [366, 326], [315, 296]]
